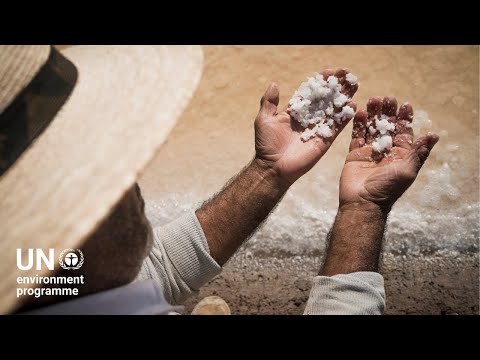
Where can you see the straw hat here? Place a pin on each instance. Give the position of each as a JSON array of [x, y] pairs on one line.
[[116, 107]]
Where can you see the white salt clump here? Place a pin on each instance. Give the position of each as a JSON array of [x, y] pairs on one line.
[[340, 100], [420, 121], [346, 113], [383, 125], [314, 102], [320, 129], [332, 82], [382, 142], [352, 79], [324, 130]]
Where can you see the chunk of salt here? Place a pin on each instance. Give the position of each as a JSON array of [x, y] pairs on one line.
[[381, 143], [352, 79], [314, 102]]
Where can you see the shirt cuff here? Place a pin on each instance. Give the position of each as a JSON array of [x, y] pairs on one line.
[[359, 293], [187, 248]]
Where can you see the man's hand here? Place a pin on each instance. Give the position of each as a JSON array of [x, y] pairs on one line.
[[371, 178], [277, 135], [370, 184], [234, 214]]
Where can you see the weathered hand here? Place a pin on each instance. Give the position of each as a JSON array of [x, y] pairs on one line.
[[277, 135], [371, 178]]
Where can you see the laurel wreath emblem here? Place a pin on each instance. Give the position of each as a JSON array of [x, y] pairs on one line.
[[78, 266]]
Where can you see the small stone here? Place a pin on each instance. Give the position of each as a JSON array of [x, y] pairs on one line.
[[212, 305]]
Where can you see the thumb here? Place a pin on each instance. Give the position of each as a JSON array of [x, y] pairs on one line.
[[423, 146], [269, 102]]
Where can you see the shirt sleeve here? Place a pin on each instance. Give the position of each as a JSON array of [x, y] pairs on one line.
[[359, 293], [180, 259]]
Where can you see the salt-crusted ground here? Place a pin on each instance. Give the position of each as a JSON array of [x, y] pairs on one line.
[[430, 260]]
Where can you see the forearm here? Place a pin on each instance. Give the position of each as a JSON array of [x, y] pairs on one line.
[[355, 241], [231, 216], [348, 282]]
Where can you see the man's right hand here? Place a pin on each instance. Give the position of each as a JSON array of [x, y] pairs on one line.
[[369, 178], [278, 142]]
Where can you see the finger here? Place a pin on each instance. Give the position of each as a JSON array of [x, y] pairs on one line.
[[389, 108], [348, 88], [341, 75], [374, 109], [426, 141], [359, 130], [342, 100], [403, 130], [327, 73], [422, 147], [269, 102], [346, 116]]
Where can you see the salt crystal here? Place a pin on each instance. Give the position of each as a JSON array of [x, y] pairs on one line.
[[313, 104], [352, 79], [381, 143], [383, 125], [332, 82], [346, 113], [320, 129], [324, 130], [340, 100], [308, 133]]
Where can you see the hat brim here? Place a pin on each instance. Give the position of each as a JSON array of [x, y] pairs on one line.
[[126, 101]]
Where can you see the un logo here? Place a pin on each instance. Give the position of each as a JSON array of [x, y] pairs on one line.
[[71, 259]]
